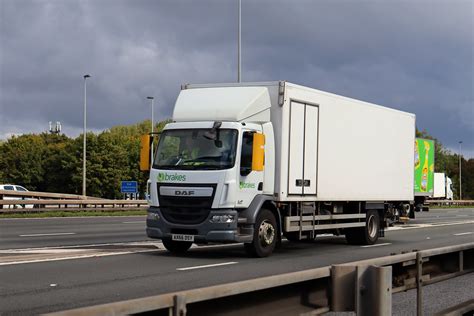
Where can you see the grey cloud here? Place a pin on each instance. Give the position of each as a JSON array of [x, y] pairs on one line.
[[412, 55]]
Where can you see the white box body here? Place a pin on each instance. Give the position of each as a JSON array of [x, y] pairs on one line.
[[439, 185], [364, 152]]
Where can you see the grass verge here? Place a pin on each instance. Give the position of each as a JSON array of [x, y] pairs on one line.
[[46, 214]]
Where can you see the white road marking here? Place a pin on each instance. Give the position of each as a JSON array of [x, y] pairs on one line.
[[51, 234], [53, 284], [133, 243], [94, 255], [461, 234], [376, 245], [135, 222], [41, 251], [430, 225], [206, 266]]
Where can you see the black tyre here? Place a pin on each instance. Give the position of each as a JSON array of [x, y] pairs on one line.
[[418, 207], [176, 247], [368, 234], [265, 235]]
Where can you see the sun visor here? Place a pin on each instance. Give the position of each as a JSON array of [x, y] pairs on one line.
[[238, 104]]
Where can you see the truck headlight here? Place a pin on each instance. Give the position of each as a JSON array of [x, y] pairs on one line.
[[152, 216], [222, 218]]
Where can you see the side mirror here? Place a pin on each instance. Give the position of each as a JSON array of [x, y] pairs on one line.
[[258, 152], [145, 141]]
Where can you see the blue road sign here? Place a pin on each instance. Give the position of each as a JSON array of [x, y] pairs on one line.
[[129, 187]]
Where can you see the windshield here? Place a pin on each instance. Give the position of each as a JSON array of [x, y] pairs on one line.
[[190, 149]]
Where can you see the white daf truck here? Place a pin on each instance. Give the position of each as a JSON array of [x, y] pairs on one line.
[[248, 163]]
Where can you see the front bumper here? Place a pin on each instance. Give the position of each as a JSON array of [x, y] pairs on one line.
[[159, 228]]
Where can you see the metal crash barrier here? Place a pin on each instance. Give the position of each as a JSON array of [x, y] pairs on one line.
[[365, 287], [453, 203], [35, 202]]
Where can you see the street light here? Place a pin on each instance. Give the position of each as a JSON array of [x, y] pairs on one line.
[[460, 170], [84, 138], [152, 99]]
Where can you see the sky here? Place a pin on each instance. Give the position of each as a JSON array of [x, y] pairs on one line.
[[415, 56]]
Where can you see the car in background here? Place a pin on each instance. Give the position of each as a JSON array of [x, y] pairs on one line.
[[18, 188]]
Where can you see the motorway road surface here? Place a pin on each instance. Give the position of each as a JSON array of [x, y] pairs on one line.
[[70, 231], [38, 280]]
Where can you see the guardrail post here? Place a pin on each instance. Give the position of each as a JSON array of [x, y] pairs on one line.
[[419, 284], [342, 294], [374, 290], [179, 308]]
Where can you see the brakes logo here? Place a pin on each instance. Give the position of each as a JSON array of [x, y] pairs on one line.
[[162, 177], [246, 185], [184, 193]]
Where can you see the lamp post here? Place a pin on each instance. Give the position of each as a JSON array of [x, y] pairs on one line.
[[239, 58], [84, 138], [460, 170], [152, 99]]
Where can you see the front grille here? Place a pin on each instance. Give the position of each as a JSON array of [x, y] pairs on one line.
[[185, 215], [185, 209], [185, 202]]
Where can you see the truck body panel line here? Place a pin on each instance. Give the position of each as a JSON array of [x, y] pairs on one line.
[[289, 228], [327, 217]]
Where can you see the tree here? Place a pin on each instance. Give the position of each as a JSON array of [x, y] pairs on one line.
[[21, 160]]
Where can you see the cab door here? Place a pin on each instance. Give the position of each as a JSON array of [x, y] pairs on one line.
[[250, 181]]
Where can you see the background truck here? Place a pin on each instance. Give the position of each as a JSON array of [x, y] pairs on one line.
[[442, 187], [424, 172], [251, 162]]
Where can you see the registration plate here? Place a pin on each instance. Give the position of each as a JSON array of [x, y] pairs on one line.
[[180, 237]]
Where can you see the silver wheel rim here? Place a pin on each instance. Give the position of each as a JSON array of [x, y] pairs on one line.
[[266, 233], [372, 226]]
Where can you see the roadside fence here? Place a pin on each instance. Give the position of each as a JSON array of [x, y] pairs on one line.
[[17, 202]]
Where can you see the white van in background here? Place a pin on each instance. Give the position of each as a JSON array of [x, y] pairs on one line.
[[442, 186], [19, 188]]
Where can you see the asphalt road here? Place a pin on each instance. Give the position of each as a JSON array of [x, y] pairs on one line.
[[48, 232], [32, 288], [67, 231]]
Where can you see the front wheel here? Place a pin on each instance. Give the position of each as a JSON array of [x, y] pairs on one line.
[[264, 236], [176, 247]]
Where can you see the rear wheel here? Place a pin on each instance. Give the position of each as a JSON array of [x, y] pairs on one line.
[[264, 236], [368, 234], [176, 247]]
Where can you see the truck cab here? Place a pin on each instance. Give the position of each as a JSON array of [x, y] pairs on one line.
[[206, 175]]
